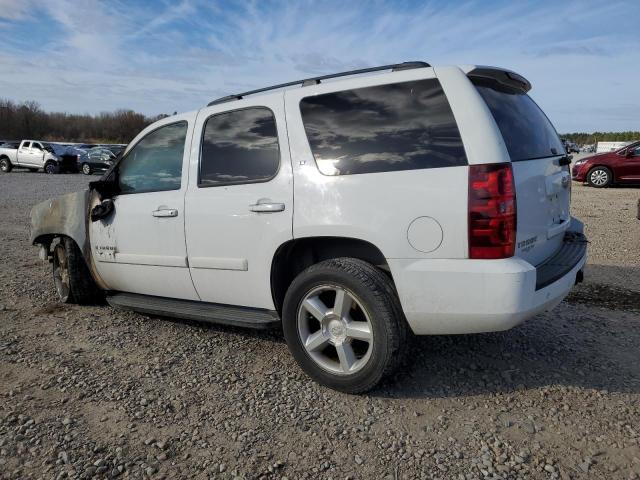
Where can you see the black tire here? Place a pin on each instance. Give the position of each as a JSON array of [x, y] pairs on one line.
[[86, 169], [375, 291], [33, 170], [71, 276], [599, 177], [51, 168], [5, 165]]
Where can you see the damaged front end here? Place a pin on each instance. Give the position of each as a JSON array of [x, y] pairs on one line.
[[65, 216]]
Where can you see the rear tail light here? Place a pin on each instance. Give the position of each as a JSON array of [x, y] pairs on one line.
[[492, 211]]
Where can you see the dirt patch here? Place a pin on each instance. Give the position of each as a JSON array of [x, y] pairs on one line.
[[605, 296]]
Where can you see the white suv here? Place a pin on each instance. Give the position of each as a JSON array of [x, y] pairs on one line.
[[350, 209]]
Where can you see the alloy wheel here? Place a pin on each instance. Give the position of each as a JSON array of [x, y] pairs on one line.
[[599, 177], [335, 329]]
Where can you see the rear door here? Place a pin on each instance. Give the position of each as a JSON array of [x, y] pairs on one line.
[[239, 204], [542, 184]]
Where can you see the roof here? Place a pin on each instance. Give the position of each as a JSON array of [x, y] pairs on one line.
[[316, 80]]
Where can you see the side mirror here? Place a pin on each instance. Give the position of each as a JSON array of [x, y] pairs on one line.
[[629, 153], [107, 187]]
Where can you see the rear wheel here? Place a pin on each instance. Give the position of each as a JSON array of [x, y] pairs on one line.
[[71, 276], [86, 169], [343, 323], [5, 165], [599, 177], [50, 168]]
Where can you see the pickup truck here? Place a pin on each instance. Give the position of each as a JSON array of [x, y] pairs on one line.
[[31, 154]]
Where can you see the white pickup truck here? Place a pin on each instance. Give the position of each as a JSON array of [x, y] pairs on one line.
[[31, 154]]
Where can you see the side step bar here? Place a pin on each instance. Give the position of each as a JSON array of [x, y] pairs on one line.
[[192, 310]]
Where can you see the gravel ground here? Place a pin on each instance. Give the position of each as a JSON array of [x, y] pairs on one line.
[[95, 392]]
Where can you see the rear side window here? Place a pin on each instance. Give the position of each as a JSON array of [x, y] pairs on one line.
[[239, 147], [525, 128], [402, 126]]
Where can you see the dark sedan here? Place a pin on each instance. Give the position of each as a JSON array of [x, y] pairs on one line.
[[621, 167], [98, 159]]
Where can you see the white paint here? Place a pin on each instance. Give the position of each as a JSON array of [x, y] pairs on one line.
[[418, 220], [424, 234], [150, 252], [222, 231]]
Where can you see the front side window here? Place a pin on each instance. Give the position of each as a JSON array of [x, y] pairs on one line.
[[36, 146], [402, 126], [154, 164], [239, 147]]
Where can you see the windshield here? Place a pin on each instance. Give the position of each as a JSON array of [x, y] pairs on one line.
[[525, 128]]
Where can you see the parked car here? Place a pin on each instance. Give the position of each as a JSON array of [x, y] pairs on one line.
[[570, 146], [97, 159], [31, 154], [621, 167], [385, 203], [116, 149]]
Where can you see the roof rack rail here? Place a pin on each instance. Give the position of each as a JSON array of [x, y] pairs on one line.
[[316, 80]]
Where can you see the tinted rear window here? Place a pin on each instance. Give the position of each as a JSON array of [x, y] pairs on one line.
[[402, 126], [525, 128]]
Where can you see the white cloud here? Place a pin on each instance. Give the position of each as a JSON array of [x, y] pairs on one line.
[[180, 55]]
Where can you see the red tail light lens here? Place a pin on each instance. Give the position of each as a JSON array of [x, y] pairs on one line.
[[492, 211]]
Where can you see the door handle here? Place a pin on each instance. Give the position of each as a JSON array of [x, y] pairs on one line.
[[165, 212], [266, 206]]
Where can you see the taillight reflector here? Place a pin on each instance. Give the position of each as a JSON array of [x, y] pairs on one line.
[[492, 211]]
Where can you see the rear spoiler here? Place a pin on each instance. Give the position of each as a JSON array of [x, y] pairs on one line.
[[505, 77]]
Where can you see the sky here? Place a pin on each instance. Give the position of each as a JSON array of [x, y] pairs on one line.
[[160, 56]]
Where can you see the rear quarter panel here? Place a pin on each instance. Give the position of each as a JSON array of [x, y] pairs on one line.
[[375, 207]]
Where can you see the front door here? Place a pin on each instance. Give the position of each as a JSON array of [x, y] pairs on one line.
[[140, 248], [628, 170], [240, 200]]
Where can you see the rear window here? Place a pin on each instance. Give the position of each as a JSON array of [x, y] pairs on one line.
[[525, 128], [402, 126]]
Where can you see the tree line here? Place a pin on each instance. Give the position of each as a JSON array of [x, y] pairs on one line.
[[28, 120], [592, 138]]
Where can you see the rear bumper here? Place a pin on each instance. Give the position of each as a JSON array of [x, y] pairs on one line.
[[473, 296]]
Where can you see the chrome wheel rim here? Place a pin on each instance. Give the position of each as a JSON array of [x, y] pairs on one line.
[[4, 166], [335, 329], [50, 168], [61, 272], [86, 169], [599, 177]]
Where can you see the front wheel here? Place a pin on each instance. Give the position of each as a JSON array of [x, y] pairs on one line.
[[599, 177], [343, 323], [51, 168], [86, 169], [71, 276], [5, 165]]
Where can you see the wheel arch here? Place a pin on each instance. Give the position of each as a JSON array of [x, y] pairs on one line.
[[293, 256], [65, 216]]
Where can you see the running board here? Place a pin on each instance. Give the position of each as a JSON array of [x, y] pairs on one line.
[[193, 310]]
